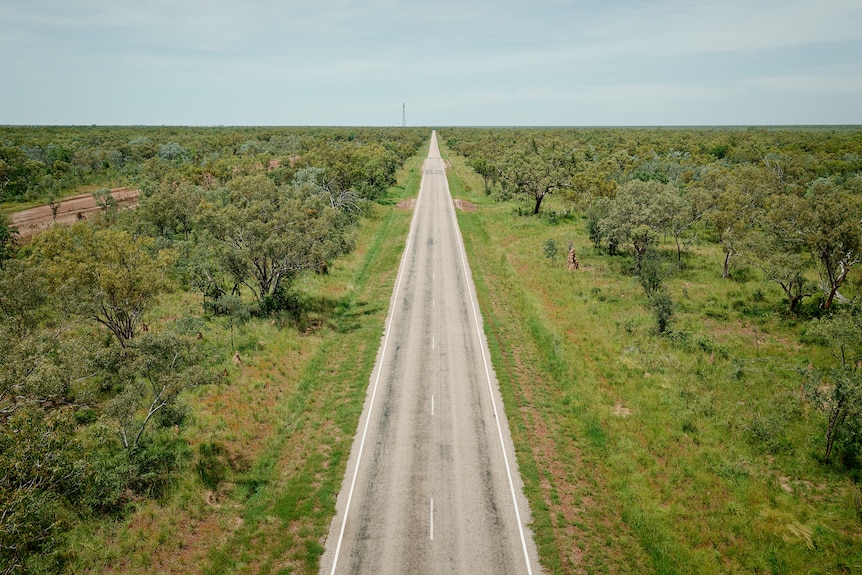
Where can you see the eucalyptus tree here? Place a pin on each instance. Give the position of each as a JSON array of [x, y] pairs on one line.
[[836, 391], [731, 201], [485, 168], [103, 274], [641, 212], [534, 171], [270, 234], [832, 228]]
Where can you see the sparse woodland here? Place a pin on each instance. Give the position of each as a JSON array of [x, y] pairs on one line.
[[93, 394], [674, 316], [692, 391]]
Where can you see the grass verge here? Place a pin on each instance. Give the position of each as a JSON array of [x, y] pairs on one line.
[[686, 453]]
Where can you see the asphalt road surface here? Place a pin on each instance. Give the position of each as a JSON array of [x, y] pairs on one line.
[[432, 484]]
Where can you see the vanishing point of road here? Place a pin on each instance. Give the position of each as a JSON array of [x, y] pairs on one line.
[[432, 484]]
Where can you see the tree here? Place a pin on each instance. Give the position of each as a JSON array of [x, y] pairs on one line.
[[836, 391], [676, 217], [151, 372], [271, 234], [104, 200], [595, 180], [104, 274], [631, 218], [8, 235], [54, 204], [731, 202], [486, 169], [40, 362], [172, 208], [535, 173], [833, 233], [774, 246]]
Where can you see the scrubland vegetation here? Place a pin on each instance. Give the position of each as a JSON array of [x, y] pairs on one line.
[[688, 399], [181, 382], [179, 379]]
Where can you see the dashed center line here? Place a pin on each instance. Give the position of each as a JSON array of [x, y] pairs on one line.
[[432, 519]]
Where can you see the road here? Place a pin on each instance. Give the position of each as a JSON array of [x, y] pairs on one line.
[[432, 483]]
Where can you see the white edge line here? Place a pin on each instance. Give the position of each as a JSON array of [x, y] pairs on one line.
[[394, 304], [468, 280]]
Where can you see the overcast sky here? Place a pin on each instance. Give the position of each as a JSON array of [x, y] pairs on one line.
[[453, 62]]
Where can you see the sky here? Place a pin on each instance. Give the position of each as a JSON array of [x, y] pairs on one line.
[[451, 62]]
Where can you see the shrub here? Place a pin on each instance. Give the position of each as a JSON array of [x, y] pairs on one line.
[[550, 249], [212, 465], [663, 308]]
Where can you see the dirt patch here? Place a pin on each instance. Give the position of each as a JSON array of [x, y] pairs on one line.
[[83, 206], [464, 205], [621, 411], [407, 204]]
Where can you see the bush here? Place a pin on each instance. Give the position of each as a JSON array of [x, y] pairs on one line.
[[767, 432], [594, 228], [663, 308], [282, 301], [550, 249], [653, 272], [212, 465]]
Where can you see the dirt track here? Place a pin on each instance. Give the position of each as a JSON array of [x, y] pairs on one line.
[[36, 220]]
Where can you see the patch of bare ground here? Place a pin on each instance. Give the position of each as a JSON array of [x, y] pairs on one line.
[[621, 411], [407, 204], [72, 209], [464, 205]]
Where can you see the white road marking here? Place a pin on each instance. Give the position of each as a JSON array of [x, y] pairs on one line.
[[433, 343], [432, 519], [404, 257], [467, 277]]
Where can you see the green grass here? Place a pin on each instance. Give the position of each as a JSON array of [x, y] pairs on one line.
[[287, 420], [686, 453]]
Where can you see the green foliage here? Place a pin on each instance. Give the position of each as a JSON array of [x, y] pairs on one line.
[[212, 465], [103, 274], [653, 272], [8, 234], [38, 455], [89, 427], [706, 443], [485, 168], [150, 373], [836, 391], [594, 227], [550, 249], [663, 310], [271, 234], [535, 173]]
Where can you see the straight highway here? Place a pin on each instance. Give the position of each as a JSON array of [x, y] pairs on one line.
[[432, 484]]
